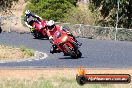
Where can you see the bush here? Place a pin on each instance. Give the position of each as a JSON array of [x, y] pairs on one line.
[[82, 15], [51, 9], [27, 51]]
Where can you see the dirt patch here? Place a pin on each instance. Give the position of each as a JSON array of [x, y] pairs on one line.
[[67, 72], [11, 53], [12, 20]]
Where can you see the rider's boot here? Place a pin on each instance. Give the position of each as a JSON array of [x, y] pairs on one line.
[[54, 49]]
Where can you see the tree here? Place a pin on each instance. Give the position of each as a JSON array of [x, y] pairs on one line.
[[51, 9], [108, 10], [82, 15], [6, 4]]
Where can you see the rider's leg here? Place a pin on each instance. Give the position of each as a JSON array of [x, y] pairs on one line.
[[54, 49]]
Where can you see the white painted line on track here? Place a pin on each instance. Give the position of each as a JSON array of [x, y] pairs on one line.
[[36, 59], [30, 60], [2, 62]]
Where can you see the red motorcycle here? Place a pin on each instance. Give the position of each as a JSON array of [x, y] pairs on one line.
[[39, 29], [66, 44]]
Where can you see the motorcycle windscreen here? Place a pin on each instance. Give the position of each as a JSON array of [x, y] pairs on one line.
[[57, 34]]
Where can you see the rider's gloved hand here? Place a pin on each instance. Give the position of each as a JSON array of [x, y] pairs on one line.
[[31, 29]]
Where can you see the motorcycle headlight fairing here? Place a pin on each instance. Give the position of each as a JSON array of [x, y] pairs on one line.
[[64, 38], [40, 26]]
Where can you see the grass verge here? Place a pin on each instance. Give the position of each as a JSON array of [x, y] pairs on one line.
[[53, 78], [13, 53], [41, 82]]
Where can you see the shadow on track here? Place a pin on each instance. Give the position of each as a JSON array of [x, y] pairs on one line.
[[41, 38], [68, 57]]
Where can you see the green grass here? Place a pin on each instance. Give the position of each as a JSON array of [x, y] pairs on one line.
[[41, 82], [9, 52], [27, 51]]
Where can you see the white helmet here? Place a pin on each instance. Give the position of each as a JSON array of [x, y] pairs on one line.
[[27, 12], [51, 24]]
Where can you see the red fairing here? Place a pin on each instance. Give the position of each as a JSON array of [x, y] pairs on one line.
[[63, 40], [44, 32], [40, 28], [40, 25], [66, 44]]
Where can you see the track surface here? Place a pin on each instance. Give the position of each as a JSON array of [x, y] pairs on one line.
[[96, 53]]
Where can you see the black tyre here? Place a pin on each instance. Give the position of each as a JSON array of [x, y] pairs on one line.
[[81, 80], [79, 54], [0, 29], [70, 52], [36, 35]]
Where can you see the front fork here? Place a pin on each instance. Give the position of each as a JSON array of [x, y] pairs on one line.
[[75, 40], [70, 45]]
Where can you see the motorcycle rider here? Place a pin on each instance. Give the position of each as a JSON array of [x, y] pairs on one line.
[[30, 18], [51, 28]]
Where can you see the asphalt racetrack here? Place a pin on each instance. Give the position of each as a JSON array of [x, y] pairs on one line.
[[96, 53]]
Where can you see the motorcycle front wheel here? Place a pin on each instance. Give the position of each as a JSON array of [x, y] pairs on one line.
[[70, 52], [0, 29], [79, 54]]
